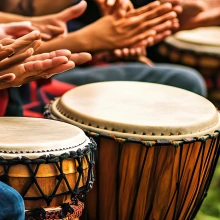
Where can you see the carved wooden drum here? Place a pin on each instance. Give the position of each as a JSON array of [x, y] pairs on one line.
[[157, 148], [200, 49], [49, 163]]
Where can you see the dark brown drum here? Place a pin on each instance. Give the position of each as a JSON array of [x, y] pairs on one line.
[[200, 49], [157, 148]]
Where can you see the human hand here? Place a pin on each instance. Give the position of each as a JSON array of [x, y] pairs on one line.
[[136, 26], [6, 78], [15, 30], [133, 54], [115, 7], [13, 52], [126, 54], [36, 67], [55, 25], [177, 5], [198, 13]]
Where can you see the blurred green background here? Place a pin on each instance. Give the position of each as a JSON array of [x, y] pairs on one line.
[[210, 209]]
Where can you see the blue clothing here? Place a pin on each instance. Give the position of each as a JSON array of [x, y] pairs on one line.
[[11, 203], [173, 75]]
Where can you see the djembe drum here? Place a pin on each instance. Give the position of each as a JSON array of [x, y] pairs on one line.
[[157, 148], [49, 163], [200, 49]]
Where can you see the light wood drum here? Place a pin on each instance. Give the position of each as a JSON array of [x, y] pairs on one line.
[[157, 148], [198, 48], [49, 163]]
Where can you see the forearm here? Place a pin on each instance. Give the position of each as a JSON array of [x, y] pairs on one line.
[[7, 17], [78, 41]]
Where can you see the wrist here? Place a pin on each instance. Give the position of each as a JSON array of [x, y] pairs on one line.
[[7, 17], [90, 39]]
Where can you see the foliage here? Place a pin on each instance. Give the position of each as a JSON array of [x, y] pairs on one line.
[[210, 209]]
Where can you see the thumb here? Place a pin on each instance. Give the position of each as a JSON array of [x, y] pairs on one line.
[[72, 12], [7, 78]]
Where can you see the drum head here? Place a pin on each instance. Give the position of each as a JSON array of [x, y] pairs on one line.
[[33, 137], [201, 40], [208, 36], [134, 109]]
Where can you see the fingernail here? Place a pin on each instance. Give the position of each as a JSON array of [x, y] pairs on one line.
[[168, 5], [10, 55], [30, 51]]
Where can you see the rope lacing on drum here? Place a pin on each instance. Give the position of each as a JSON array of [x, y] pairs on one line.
[[86, 154], [65, 209]]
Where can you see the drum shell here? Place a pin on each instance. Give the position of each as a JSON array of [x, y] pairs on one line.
[[205, 62], [20, 176], [140, 181]]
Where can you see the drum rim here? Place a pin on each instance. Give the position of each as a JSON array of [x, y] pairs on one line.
[[193, 48], [57, 114], [33, 154]]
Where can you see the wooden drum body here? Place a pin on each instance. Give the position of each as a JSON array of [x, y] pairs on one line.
[[157, 148], [200, 49], [48, 162]]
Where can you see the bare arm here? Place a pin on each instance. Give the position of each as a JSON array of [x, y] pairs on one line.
[[8, 17], [109, 33]]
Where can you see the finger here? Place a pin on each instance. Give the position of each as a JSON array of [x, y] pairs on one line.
[[118, 53], [15, 60], [138, 51], [157, 21], [110, 3], [173, 2], [45, 37], [35, 45], [143, 9], [159, 37], [178, 9], [13, 29], [55, 30], [145, 60], [144, 43], [72, 12], [58, 69], [145, 18], [150, 41], [9, 77], [122, 7], [142, 36], [50, 55], [23, 43], [144, 51], [7, 41], [80, 58], [6, 52], [167, 25], [206, 18], [175, 25], [43, 65], [159, 11], [34, 35], [9, 52], [125, 52], [18, 24], [132, 52]]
